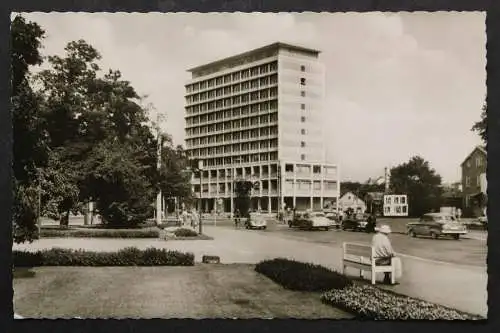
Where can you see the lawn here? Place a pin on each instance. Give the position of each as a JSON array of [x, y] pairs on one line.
[[202, 291]]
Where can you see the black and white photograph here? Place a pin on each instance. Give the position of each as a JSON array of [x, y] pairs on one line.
[[249, 165]]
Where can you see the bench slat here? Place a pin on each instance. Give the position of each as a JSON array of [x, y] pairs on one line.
[[358, 250]]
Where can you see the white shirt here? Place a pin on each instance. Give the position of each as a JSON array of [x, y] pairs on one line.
[[382, 246]]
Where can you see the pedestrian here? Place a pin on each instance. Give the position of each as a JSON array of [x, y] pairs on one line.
[[384, 253], [236, 217], [372, 223], [185, 218], [195, 220], [459, 214]]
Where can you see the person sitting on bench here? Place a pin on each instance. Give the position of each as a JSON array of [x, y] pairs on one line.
[[384, 253]]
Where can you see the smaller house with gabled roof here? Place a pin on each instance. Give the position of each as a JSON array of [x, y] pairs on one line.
[[474, 182]]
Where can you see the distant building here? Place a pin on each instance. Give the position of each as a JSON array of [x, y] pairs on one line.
[[375, 202], [395, 205], [351, 200], [474, 182]]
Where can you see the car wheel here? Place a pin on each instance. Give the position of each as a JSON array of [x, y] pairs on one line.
[[289, 224], [434, 235], [263, 228], [412, 233], [457, 236]]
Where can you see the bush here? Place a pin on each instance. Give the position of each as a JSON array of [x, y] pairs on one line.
[[101, 233], [183, 232], [126, 257], [296, 275], [368, 302]]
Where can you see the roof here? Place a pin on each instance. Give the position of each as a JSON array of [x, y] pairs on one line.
[[480, 148], [277, 46], [376, 195]]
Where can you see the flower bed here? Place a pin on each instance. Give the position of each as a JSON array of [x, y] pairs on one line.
[[295, 275], [126, 257], [367, 302], [100, 233]]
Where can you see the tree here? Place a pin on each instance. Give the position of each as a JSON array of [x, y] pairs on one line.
[[421, 183], [174, 180], [122, 192], [242, 189], [29, 146], [480, 127]]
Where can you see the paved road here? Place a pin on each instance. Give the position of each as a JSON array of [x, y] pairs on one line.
[[470, 250]]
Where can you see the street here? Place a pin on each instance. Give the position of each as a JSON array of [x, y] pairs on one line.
[[470, 250]]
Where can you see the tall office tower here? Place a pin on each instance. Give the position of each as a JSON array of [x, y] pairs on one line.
[[259, 116]]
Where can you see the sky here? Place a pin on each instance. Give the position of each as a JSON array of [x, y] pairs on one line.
[[398, 84]]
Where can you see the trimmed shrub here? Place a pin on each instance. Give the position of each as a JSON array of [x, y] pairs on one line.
[[183, 232], [126, 257], [295, 275], [367, 302], [101, 233]]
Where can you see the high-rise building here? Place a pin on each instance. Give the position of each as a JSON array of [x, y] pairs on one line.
[[259, 116]]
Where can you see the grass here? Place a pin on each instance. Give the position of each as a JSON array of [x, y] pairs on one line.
[[202, 291]]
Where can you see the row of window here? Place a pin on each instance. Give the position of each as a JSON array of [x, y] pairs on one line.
[[235, 125], [228, 137], [236, 76], [237, 147], [221, 120], [305, 185], [477, 181], [243, 98], [231, 160], [395, 200], [232, 111], [227, 104], [479, 162], [240, 171], [260, 83]]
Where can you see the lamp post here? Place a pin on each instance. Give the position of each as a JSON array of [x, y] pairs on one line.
[[159, 118], [197, 169]]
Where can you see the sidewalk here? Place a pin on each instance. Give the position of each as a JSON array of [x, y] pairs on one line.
[[460, 287]]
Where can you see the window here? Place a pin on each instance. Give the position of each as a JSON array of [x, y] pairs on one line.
[[317, 169], [479, 161], [302, 68], [468, 163], [467, 181], [303, 131], [403, 201], [302, 106], [302, 81], [302, 144], [303, 119], [303, 157], [303, 93]]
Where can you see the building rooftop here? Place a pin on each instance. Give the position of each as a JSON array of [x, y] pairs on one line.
[[480, 148], [274, 46]]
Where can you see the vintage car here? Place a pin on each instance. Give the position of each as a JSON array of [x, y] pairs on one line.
[[355, 222], [334, 218], [310, 220], [436, 225], [256, 221]]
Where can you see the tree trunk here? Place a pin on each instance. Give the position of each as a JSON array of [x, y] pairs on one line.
[[64, 220]]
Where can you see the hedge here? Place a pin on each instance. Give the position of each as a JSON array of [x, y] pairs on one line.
[[183, 232], [130, 256], [368, 302], [101, 233], [295, 275]]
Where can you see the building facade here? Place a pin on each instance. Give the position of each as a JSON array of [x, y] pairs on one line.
[[351, 200], [474, 182], [258, 116]]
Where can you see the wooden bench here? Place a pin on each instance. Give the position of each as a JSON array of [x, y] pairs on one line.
[[362, 257]]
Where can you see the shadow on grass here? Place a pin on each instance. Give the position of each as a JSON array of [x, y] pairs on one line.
[[23, 273]]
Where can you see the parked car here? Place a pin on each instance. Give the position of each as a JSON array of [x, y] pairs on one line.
[[310, 220], [355, 222], [256, 221], [334, 218], [436, 225]]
